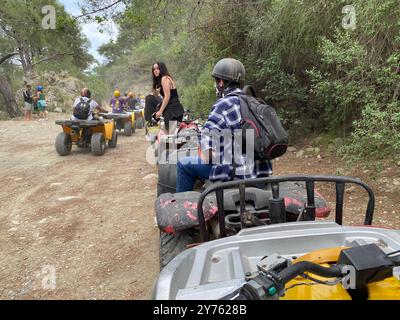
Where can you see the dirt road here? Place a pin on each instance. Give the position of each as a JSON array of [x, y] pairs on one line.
[[83, 221], [81, 226]]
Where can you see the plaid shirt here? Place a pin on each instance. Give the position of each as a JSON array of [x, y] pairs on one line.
[[226, 116]]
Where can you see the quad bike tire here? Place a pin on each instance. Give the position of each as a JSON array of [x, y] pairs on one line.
[[63, 144], [98, 144], [140, 123], [113, 142], [166, 179], [173, 244], [128, 130]]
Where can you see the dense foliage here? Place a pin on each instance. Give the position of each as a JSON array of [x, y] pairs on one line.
[[34, 49], [325, 70]]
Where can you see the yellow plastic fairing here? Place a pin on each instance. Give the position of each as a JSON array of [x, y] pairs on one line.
[[388, 289], [303, 289], [106, 129]]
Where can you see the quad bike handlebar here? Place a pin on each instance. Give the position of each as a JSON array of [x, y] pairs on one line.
[[277, 203], [267, 285]]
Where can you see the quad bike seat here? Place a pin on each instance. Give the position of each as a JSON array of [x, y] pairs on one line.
[[178, 211]]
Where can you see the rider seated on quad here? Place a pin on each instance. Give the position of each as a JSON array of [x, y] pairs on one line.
[[225, 117], [117, 103], [84, 106]]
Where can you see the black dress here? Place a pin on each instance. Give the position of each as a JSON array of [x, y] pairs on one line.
[[174, 110]]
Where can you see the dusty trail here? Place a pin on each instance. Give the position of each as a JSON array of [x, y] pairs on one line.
[[87, 222], [90, 219]]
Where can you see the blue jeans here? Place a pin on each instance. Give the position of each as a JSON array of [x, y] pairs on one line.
[[188, 170]]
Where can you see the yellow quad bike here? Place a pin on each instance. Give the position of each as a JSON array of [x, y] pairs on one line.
[[86, 133], [122, 121]]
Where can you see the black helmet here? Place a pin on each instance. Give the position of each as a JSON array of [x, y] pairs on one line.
[[230, 70]]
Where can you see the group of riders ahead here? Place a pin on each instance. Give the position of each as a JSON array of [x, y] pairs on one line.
[[234, 110], [126, 103]]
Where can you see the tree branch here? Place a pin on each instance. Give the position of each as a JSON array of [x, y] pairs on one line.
[[7, 56], [52, 57], [97, 10]]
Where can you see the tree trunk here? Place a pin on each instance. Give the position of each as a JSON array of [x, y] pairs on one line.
[[11, 106], [26, 63]]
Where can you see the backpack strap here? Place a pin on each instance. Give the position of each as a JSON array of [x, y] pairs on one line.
[[249, 90], [244, 112], [244, 107]]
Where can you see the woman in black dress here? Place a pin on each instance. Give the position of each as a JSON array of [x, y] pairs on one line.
[[171, 108]]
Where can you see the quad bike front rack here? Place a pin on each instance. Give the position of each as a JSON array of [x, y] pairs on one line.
[[276, 204]]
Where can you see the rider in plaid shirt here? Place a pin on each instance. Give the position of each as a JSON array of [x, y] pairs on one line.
[[223, 123], [225, 116]]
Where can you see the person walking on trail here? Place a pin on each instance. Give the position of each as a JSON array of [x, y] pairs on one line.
[[171, 108], [28, 100], [117, 103], [84, 106], [41, 103], [225, 116]]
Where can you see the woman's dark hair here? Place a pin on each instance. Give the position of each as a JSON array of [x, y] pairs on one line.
[[163, 72], [88, 94]]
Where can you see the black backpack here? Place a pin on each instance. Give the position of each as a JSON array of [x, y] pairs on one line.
[[82, 109], [270, 138]]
